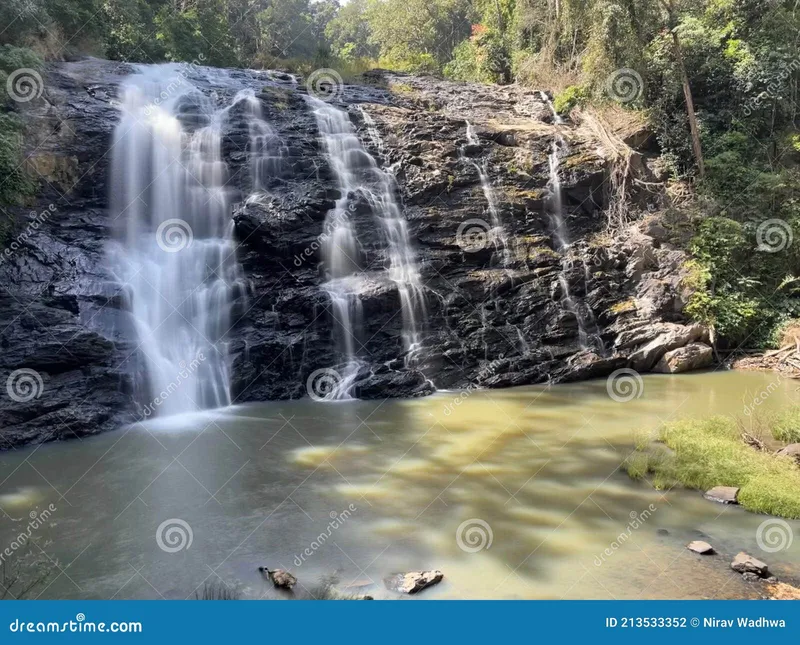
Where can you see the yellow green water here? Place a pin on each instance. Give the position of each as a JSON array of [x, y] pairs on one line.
[[427, 483]]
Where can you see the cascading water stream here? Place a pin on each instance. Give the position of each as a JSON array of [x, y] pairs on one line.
[[498, 232], [359, 176], [587, 327], [175, 253]]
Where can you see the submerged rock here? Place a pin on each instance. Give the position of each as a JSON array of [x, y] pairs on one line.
[[744, 563], [413, 581], [723, 494]]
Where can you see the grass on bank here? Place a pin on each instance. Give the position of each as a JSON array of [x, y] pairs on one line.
[[786, 426], [710, 452]]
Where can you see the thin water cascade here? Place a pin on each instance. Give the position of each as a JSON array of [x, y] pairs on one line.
[[359, 177], [587, 327], [498, 232], [175, 251]]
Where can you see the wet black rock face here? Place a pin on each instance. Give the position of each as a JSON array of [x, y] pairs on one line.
[[496, 315]]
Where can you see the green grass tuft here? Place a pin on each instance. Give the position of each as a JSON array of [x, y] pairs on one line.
[[786, 425], [704, 453]]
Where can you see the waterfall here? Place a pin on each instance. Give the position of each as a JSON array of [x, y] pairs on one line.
[[498, 233], [175, 251], [360, 178], [587, 327]]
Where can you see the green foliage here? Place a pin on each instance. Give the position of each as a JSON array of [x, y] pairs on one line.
[[417, 34], [710, 452], [571, 97], [15, 185], [785, 426]]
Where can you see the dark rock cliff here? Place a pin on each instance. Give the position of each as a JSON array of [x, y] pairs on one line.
[[492, 321]]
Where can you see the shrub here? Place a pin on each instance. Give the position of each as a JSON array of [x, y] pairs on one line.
[[570, 98]]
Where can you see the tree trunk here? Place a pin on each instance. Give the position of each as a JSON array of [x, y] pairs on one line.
[[687, 94]]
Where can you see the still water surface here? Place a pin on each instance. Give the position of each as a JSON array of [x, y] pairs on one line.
[[258, 484]]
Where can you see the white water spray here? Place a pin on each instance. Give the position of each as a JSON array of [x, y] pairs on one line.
[[175, 253], [359, 176]]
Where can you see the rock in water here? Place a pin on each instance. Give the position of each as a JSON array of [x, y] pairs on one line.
[[280, 578], [703, 548], [685, 359], [723, 494], [413, 581], [744, 563]]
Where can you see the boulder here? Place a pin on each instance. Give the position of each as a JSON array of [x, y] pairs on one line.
[[672, 337], [744, 563], [694, 356], [413, 581], [723, 494], [703, 548], [792, 450], [279, 577]]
